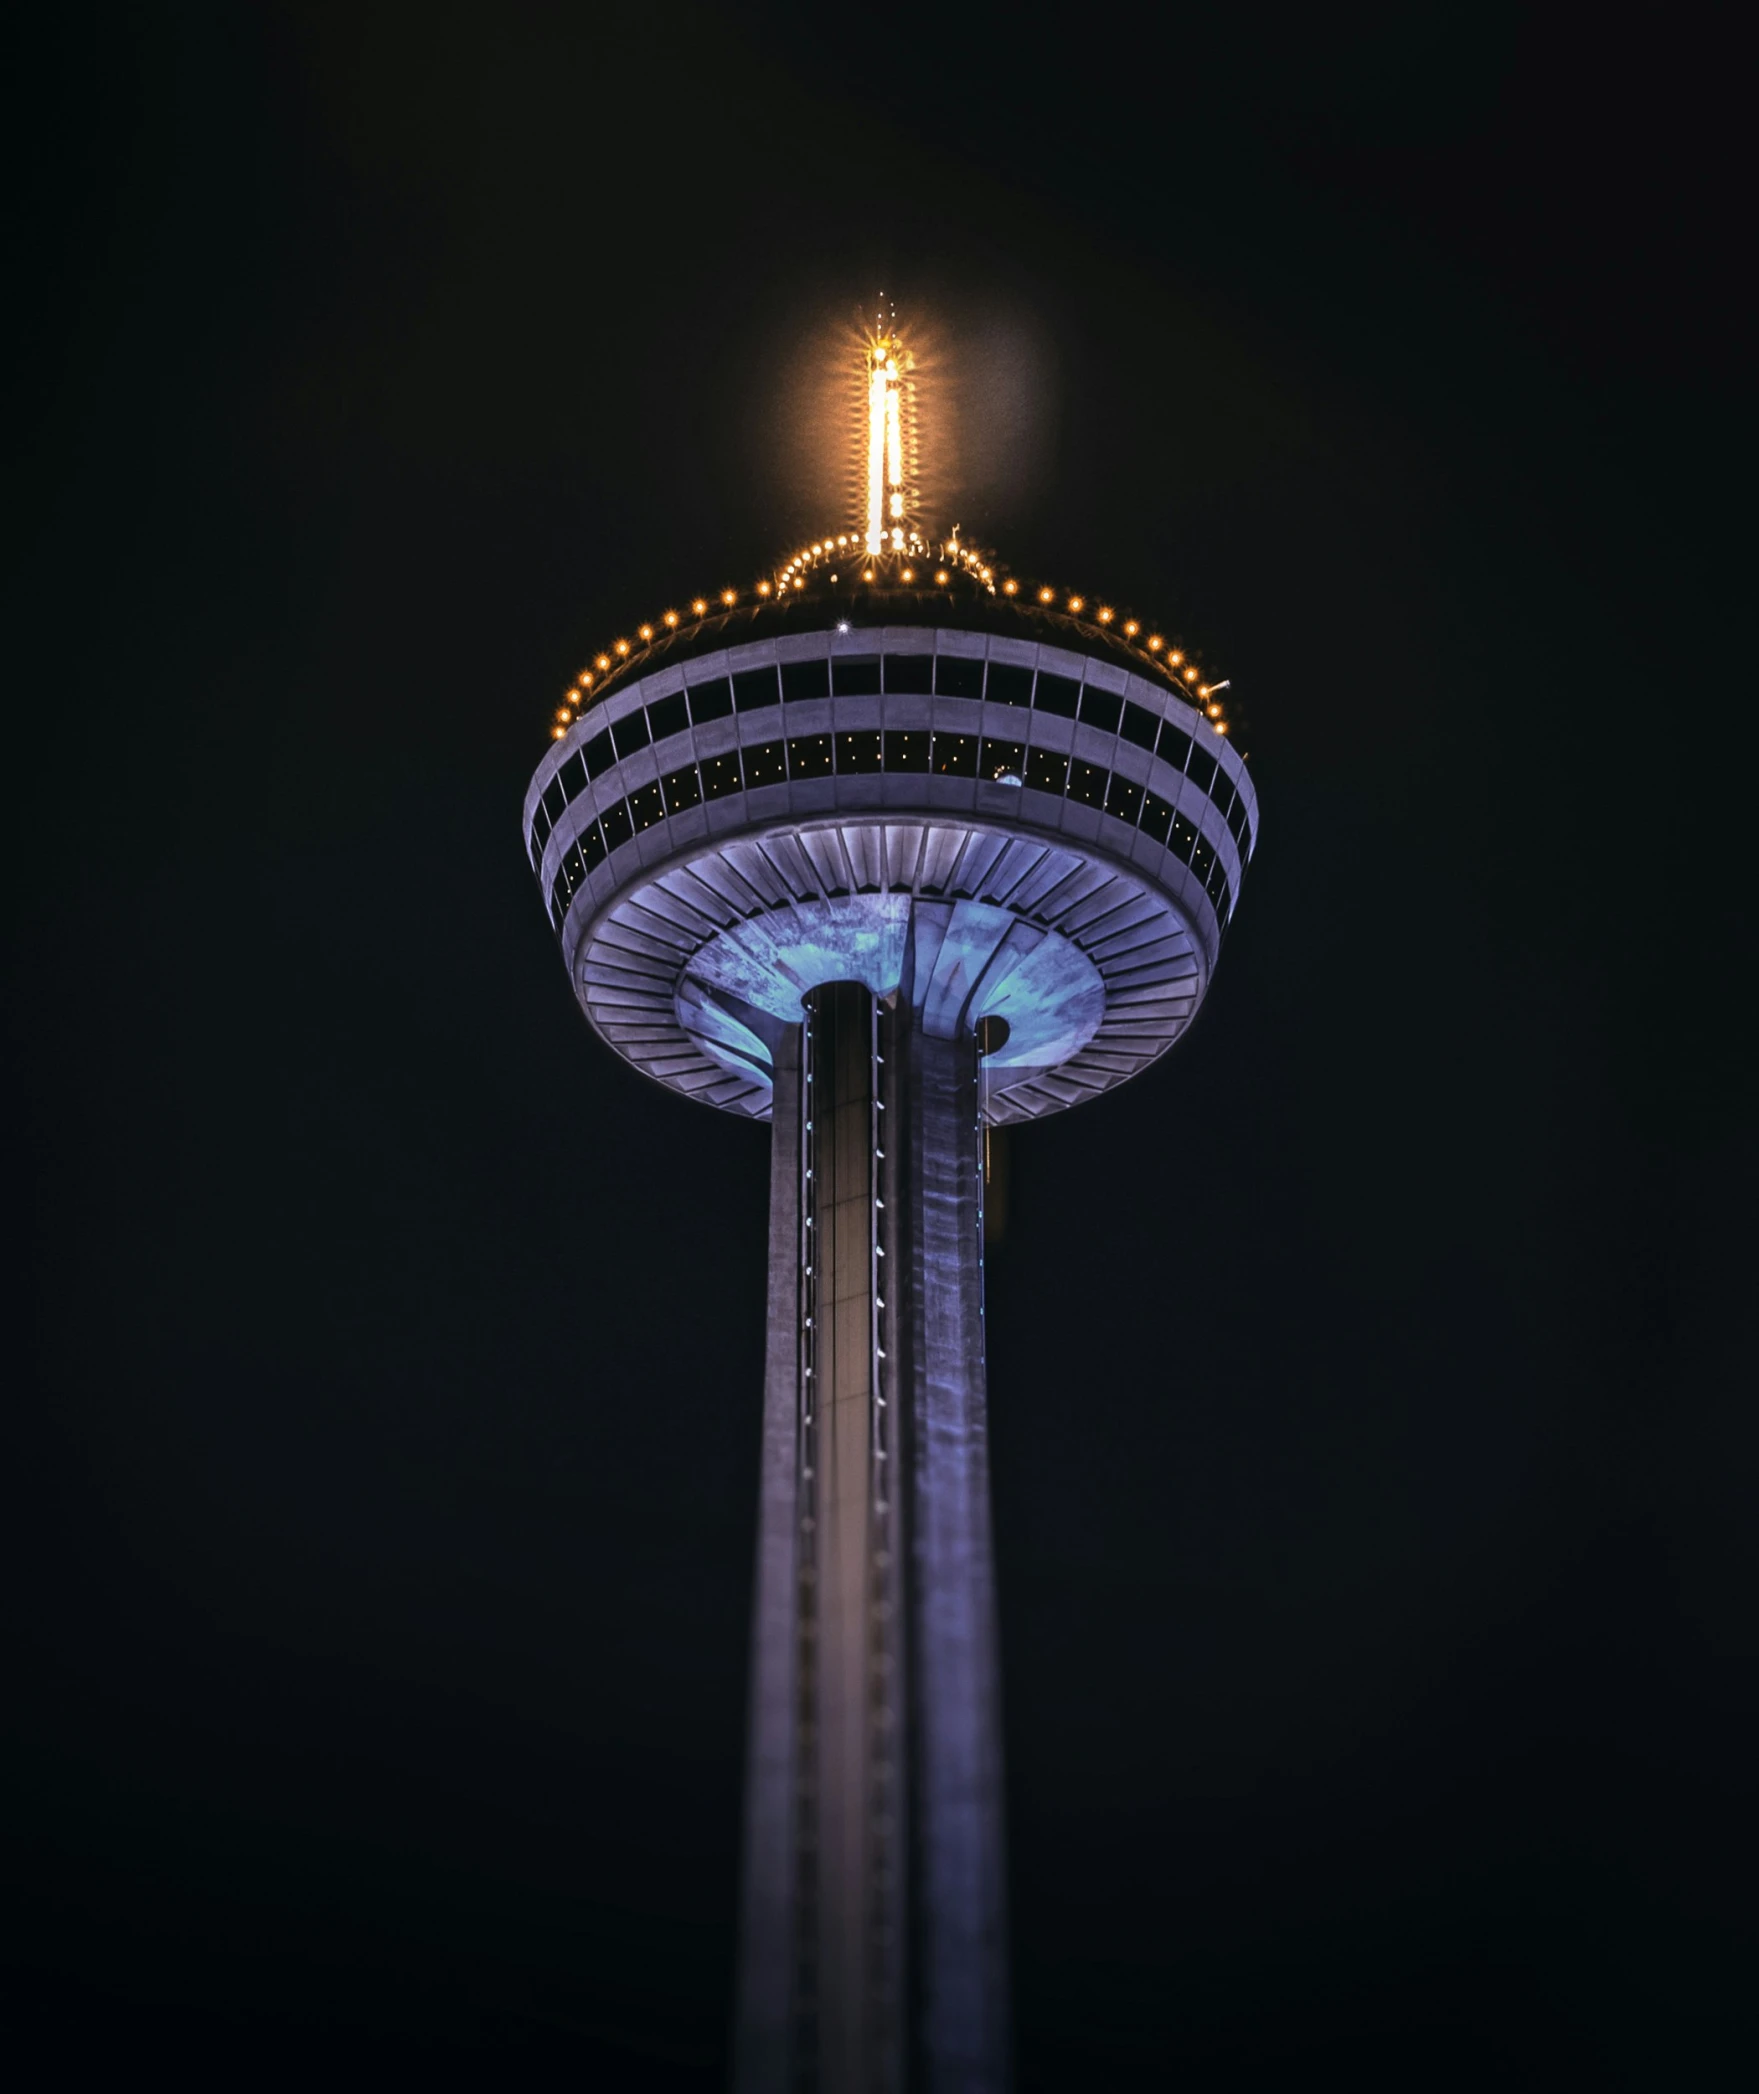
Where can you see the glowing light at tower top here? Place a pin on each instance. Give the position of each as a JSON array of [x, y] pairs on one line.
[[888, 363]]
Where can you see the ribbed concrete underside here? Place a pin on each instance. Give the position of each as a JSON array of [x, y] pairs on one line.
[[648, 974]]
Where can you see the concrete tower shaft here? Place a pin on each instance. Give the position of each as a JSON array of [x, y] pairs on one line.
[[873, 1931]]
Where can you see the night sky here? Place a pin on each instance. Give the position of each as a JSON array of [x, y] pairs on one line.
[[1374, 1459]]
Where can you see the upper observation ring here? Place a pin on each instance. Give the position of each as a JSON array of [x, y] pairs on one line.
[[998, 809]]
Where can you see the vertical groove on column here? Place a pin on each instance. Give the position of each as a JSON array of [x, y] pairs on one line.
[[764, 2051], [960, 1982]]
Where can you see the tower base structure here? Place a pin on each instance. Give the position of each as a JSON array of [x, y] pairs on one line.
[[873, 1926]]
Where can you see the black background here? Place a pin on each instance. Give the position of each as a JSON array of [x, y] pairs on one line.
[[1373, 1464]]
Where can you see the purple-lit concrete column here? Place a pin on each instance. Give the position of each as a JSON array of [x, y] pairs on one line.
[[958, 1935]]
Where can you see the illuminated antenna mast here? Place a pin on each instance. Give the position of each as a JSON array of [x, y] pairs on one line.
[[887, 363]]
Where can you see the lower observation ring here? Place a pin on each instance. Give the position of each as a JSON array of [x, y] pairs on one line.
[[1094, 971]]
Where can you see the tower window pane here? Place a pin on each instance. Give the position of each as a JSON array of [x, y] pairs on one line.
[[859, 751], [910, 672], [1139, 726], [1101, 709], [955, 755], [957, 677], [1047, 770], [809, 756], [1182, 838], [720, 774], [1202, 856], [668, 716], [1087, 782], [753, 688], [1009, 685], [682, 789], [1123, 800], [540, 835], [855, 675], [630, 734], [645, 806], [1057, 694], [554, 800], [906, 750], [1002, 759], [1201, 768], [598, 755], [1157, 816], [712, 700], [1174, 745], [806, 680], [618, 828], [592, 846], [764, 765]]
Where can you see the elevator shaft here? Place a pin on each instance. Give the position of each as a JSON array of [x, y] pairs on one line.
[[872, 1957]]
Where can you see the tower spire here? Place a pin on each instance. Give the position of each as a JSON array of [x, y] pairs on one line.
[[888, 362]]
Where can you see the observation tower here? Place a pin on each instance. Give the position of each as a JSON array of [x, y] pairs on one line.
[[888, 848]]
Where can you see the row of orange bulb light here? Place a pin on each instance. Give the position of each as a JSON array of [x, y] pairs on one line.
[[792, 575]]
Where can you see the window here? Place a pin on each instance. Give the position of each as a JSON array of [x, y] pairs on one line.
[[540, 833], [1201, 769], [809, 756], [630, 734], [592, 846], [1009, 685], [558, 902], [1047, 770], [1222, 791], [1139, 726], [1002, 759], [956, 676], [571, 869], [573, 775], [1101, 709], [906, 750], [1218, 878], [955, 755], [1202, 855], [597, 755], [1224, 905], [645, 806], [1182, 838], [554, 800], [668, 716], [1237, 821], [1123, 800], [1087, 782], [806, 680], [764, 766], [1157, 816], [855, 675], [753, 688], [910, 672], [859, 752], [720, 774], [1245, 834], [682, 789], [1174, 745], [618, 828], [712, 700], [1057, 694]]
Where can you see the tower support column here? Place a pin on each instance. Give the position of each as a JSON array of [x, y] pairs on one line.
[[872, 1953]]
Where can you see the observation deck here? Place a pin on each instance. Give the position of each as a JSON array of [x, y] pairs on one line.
[[1021, 817]]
